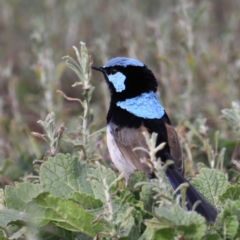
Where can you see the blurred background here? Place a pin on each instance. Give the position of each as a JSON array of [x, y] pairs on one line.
[[193, 48]]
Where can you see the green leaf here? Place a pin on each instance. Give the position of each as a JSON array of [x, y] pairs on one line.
[[63, 213], [53, 232], [126, 220], [228, 220], [146, 196], [102, 178], [80, 236], [155, 224], [190, 224], [213, 236], [232, 192], [230, 226], [165, 234], [149, 234], [211, 184], [192, 231], [18, 197], [2, 235], [11, 215], [63, 175], [19, 234], [86, 201], [136, 177]]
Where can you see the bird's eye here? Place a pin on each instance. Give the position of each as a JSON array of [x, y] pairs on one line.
[[112, 71]]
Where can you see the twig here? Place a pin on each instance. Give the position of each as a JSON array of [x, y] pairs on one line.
[[69, 98]]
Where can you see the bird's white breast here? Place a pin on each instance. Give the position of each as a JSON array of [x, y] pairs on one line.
[[117, 157]]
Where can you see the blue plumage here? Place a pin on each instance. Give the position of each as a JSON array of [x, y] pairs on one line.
[[145, 106], [123, 62], [117, 80]]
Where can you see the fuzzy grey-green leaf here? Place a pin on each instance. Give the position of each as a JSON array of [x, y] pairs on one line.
[[97, 177], [211, 184], [17, 197], [230, 226], [232, 192], [213, 236], [190, 224], [11, 215], [63, 213], [86, 201], [63, 175], [165, 234], [149, 234]]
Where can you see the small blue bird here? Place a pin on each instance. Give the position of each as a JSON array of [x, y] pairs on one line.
[[134, 108]]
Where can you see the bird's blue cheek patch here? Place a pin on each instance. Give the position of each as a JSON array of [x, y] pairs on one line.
[[117, 80], [145, 106]]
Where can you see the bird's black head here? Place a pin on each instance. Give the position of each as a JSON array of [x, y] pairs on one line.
[[127, 78]]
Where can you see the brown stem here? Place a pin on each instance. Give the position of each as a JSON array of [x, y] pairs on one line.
[[69, 98]]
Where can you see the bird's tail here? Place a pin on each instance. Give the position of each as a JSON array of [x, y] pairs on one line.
[[204, 208]]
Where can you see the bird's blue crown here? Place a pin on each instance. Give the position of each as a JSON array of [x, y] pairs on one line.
[[123, 62]]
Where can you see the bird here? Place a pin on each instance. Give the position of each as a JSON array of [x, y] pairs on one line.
[[135, 108]]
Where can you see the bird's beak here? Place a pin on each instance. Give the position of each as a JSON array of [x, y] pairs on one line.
[[101, 69]]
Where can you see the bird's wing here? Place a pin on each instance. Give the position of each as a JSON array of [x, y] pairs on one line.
[[129, 138], [175, 148], [166, 133]]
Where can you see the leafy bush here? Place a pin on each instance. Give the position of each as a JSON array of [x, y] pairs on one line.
[[78, 198]]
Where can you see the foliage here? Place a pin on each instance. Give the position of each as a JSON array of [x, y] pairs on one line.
[[79, 198], [191, 46]]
